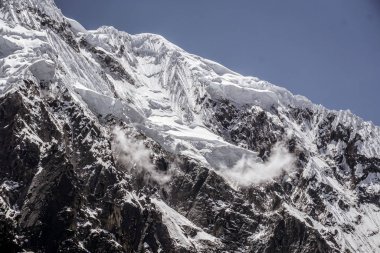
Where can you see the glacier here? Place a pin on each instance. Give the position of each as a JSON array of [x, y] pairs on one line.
[[197, 117]]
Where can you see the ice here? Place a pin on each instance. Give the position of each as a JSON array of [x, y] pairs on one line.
[[76, 27], [166, 100], [7, 46], [243, 95], [43, 70], [217, 68], [105, 105], [178, 129]]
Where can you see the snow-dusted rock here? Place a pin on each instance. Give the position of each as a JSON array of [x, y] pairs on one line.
[[205, 127], [76, 27]]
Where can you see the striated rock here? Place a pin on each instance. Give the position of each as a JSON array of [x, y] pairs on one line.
[[64, 188]]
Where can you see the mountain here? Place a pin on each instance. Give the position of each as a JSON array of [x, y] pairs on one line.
[[111, 142]]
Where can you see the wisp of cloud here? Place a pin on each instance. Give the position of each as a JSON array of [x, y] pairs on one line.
[[135, 157], [248, 171]]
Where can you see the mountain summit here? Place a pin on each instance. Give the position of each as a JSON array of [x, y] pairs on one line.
[[111, 142]]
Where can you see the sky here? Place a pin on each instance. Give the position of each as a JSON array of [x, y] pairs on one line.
[[326, 50]]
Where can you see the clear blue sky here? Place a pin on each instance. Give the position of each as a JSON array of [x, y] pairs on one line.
[[326, 50]]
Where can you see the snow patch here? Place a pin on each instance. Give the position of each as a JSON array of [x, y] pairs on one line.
[[7, 46], [179, 226], [43, 70], [76, 27]]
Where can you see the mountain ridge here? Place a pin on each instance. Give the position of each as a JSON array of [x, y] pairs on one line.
[[69, 184]]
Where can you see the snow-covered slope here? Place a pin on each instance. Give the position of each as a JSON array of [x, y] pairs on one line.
[[253, 167]]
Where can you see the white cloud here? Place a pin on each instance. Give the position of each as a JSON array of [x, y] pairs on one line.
[[248, 171], [135, 157]]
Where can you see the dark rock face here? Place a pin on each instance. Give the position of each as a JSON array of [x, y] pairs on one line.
[[57, 179], [291, 235], [62, 188], [248, 127], [203, 190], [8, 242], [69, 202]]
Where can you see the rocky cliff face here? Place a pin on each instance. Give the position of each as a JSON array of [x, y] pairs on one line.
[[111, 142]]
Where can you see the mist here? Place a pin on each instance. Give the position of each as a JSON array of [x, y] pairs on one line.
[[248, 171], [135, 157]]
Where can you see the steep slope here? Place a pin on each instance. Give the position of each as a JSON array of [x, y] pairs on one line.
[[112, 142]]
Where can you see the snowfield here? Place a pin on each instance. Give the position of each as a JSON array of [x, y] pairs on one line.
[[196, 108]]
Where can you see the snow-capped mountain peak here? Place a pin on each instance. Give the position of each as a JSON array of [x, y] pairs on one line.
[[128, 143]]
